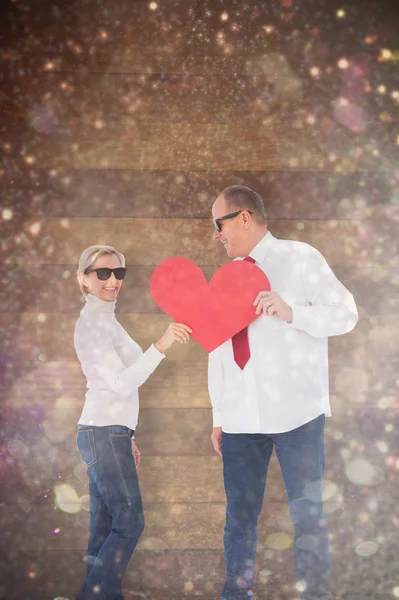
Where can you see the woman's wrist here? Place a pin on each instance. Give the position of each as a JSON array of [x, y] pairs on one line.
[[159, 347]]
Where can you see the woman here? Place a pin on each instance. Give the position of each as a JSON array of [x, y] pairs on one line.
[[115, 367]]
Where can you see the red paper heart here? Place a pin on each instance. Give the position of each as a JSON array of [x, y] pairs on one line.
[[215, 312]]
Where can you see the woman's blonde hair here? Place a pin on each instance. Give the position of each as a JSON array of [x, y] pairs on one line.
[[89, 257]]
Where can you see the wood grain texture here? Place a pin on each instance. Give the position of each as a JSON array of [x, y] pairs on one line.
[[73, 100], [50, 434], [372, 285], [40, 370], [196, 573], [190, 194], [168, 526], [183, 146], [121, 125], [147, 242], [148, 569], [355, 377], [184, 57], [46, 337]]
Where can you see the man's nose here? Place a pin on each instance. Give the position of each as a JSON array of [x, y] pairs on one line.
[[216, 234]]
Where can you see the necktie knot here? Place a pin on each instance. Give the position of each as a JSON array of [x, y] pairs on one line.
[[249, 259]]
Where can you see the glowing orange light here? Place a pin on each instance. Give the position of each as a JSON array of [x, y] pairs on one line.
[[343, 63]]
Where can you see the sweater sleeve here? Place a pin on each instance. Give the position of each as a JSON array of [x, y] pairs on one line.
[[101, 363], [331, 309]]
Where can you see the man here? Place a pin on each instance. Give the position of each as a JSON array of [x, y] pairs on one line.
[[269, 389]]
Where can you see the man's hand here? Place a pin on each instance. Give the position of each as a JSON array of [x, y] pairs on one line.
[[216, 438], [136, 454], [270, 303]]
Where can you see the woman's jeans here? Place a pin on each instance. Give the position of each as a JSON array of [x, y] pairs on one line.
[[116, 509], [245, 462]]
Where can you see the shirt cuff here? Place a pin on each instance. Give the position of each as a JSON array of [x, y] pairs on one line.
[[156, 352], [217, 418], [299, 317]]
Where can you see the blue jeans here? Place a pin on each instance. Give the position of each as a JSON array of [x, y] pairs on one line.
[[116, 509], [246, 457]]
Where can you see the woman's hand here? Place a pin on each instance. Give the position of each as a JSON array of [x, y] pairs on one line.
[[176, 332], [136, 453]]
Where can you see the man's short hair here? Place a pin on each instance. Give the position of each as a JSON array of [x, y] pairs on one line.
[[240, 197]]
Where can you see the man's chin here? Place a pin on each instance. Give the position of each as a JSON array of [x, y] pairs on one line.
[[231, 254]]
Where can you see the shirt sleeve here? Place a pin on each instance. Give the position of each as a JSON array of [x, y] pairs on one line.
[[331, 309], [215, 385], [100, 361]]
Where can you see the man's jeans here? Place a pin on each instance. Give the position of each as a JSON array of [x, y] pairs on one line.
[[245, 462], [116, 510]]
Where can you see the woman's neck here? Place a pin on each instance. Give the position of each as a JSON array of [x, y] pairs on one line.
[[96, 304]]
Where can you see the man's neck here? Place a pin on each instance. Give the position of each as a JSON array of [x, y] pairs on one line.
[[256, 238]]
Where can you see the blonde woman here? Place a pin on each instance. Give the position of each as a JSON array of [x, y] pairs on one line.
[[115, 367]]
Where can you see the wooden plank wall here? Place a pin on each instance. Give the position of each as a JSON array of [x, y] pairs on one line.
[[120, 123]]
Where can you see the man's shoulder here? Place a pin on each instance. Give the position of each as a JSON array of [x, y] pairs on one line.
[[297, 253], [294, 246]]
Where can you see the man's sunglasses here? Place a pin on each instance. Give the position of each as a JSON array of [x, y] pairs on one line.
[[104, 273], [216, 222]]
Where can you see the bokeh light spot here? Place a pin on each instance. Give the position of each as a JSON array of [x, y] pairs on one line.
[[278, 541], [361, 472], [66, 498], [6, 214], [366, 549], [343, 63]]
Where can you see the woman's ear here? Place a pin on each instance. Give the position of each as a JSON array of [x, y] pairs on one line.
[[82, 279]]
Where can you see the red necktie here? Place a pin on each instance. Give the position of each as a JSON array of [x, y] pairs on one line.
[[240, 340]]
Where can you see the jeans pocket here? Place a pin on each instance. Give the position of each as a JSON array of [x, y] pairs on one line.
[[86, 446]]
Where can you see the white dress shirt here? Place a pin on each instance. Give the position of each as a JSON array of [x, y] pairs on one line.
[[114, 365], [285, 382]]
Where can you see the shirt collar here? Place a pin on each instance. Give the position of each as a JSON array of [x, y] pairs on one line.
[[97, 305], [258, 253]]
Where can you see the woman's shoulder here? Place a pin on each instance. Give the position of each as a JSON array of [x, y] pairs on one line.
[[92, 324]]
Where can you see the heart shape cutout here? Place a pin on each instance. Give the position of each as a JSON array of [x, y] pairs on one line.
[[215, 312]]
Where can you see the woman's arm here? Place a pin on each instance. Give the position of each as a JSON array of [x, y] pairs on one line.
[[96, 351], [97, 354]]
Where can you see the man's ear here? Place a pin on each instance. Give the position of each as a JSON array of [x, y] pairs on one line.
[[246, 219]]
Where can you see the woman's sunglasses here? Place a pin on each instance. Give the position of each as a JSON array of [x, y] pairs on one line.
[[104, 273]]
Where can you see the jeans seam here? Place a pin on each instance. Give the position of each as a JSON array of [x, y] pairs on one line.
[[111, 435]]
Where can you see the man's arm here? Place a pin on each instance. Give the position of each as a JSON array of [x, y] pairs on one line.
[[332, 309], [215, 389]]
